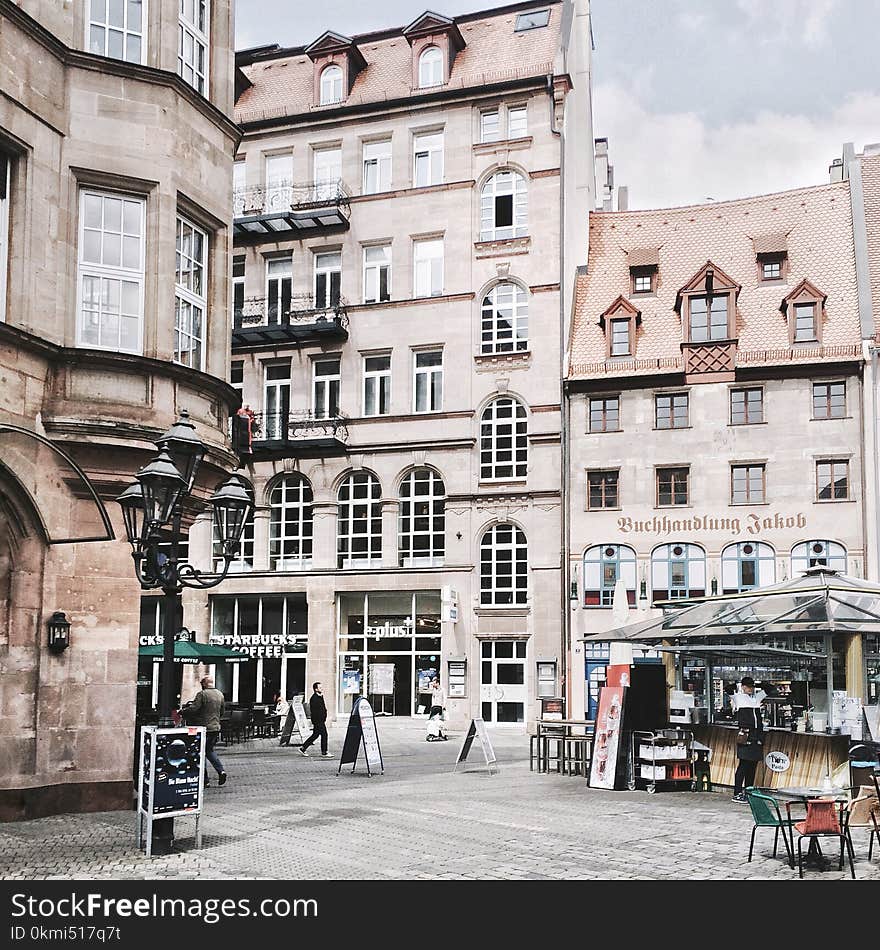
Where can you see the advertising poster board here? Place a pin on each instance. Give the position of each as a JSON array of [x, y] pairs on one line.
[[609, 719], [382, 679], [477, 730], [456, 680], [552, 708], [351, 681], [362, 731], [299, 715]]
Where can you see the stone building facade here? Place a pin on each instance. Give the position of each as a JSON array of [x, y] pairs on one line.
[[409, 211], [715, 399], [116, 151]]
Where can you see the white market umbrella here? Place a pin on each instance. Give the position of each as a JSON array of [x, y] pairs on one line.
[[621, 652]]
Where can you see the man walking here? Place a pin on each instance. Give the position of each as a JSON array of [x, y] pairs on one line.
[[207, 708], [318, 715]]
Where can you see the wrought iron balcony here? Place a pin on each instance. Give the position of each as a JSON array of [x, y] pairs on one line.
[[286, 210], [293, 434], [259, 323]]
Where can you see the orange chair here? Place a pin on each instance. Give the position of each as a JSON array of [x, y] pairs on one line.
[[864, 812], [825, 819]]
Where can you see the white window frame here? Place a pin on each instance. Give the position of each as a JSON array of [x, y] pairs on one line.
[[377, 378], [832, 555], [279, 193], [239, 187], [187, 297], [373, 274], [5, 204], [329, 96], [487, 134], [277, 279], [126, 32], [431, 70], [290, 515], [370, 506], [506, 302], [187, 27], [515, 111], [428, 271], [276, 394], [320, 268], [244, 559], [377, 155], [518, 548], [325, 382], [430, 373], [428, 155], [106, 273], [238, 285], [503, 183], [419, 513], [514, 426], [327, 175]]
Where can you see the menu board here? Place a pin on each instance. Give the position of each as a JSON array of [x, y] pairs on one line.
[[299, 714], [382, 679], [456, 680], [361, 731], [477, 730]]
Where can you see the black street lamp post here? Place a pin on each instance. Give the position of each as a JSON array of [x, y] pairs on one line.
[[152, 509]]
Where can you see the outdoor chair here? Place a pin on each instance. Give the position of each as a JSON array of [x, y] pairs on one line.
[[258, 724], [825, 818], [864, 812], [240, 724], [766, 814]]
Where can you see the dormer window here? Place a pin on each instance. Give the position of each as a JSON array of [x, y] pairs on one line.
[[430, 68], [707, 318], [533, 20], [331, 85], [771, 268], [620, 345], [771, 253], [619, 322], [803, 309], [707, 304], [643, 263]]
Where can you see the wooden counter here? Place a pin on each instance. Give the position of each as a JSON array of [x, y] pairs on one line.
[[811, 754]]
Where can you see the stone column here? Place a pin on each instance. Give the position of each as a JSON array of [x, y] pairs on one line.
[[261, 539], [321, 659], [324, 534], [390, 510]]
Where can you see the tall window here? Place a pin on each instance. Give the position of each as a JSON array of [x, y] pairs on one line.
[[276, 400], [603, 489], [5, 199], [238, 274], [116, 28], [747, 565], [279, 179], [331, 85], [328, 173], [604, 566], [428, 268], [236, 376], [377, 385], [517, 122], [111, 272], [326, 381], [672, 486], [430, 68], [746, 406], [428, 160], [504, 207], [244, 559], [708, 318], [490, 126], [832, 480], [193, 43], [678, 571], [804, 322], [671, 410], [290, 524], [377, 167], [428, 381], [620, 338], [359, 521], [809, 554], [505, 326], [377, 273], [504, 567], [604, 414], [422, 524], [279, 284], [748, 484], [829, 400], [503, 440], [328, 280], [190, 295]]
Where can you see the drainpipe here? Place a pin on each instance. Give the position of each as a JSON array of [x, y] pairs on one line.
[[875, 353]]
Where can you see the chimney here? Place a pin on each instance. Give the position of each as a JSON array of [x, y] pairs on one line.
[[835, 170], [622, 198]]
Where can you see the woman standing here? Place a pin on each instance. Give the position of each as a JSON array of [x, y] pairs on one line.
[[750, 736]]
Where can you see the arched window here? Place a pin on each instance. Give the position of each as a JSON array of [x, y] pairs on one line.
[[809, 554], [244, 560], [505, 326], [290, 524], [504, 567], [422, 523], [747, 565], [604, 565], [430, 68], [503, 439], [359, 521], [331, 85], [504, 207], [678, 571]]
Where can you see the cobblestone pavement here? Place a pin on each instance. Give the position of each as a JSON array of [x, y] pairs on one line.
[[282, 816]]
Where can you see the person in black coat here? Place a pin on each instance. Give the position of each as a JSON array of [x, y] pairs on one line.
[[750, 737], [318, 715]]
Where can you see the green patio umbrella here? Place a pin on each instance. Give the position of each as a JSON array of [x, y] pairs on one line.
[[189, 651]]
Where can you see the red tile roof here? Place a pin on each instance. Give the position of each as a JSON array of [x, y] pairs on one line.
[[871, 191], [818, 225]]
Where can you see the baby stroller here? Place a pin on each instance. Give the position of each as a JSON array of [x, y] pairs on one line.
[[436, 731]]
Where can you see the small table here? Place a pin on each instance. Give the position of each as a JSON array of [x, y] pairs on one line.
[[805, 793]]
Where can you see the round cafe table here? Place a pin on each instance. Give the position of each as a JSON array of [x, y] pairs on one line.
[[805, 793]]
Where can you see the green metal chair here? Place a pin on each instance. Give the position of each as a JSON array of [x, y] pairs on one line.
[[766, 814]]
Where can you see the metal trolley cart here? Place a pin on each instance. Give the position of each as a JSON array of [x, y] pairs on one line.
[[663, 757]]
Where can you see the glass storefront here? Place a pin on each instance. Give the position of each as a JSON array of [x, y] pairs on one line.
[[388, 650]]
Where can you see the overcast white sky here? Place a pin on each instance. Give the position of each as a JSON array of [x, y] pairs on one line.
[[698, 98]]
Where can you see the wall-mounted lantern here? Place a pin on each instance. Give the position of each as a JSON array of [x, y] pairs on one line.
[[59, 632]]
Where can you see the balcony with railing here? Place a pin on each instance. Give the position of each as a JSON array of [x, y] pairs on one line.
[[293, 434], [285, 210], [259, 322]]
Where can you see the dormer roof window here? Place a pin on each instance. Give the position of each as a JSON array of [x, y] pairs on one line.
[[533, 20], [771, 254], [804, 309], [430, 67], [337, 62], [707, 305], [435, 41], [331, 84], [643, 264], [619, 322]]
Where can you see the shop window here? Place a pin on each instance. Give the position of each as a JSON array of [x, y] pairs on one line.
[[809, 554], [678, 572], [747, 565], [604, 566]]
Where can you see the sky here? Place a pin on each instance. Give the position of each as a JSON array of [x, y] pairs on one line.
[[699, 99]]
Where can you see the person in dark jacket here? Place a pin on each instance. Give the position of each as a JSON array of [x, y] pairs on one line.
[[750, 737], [318, 715], [206, 710]]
